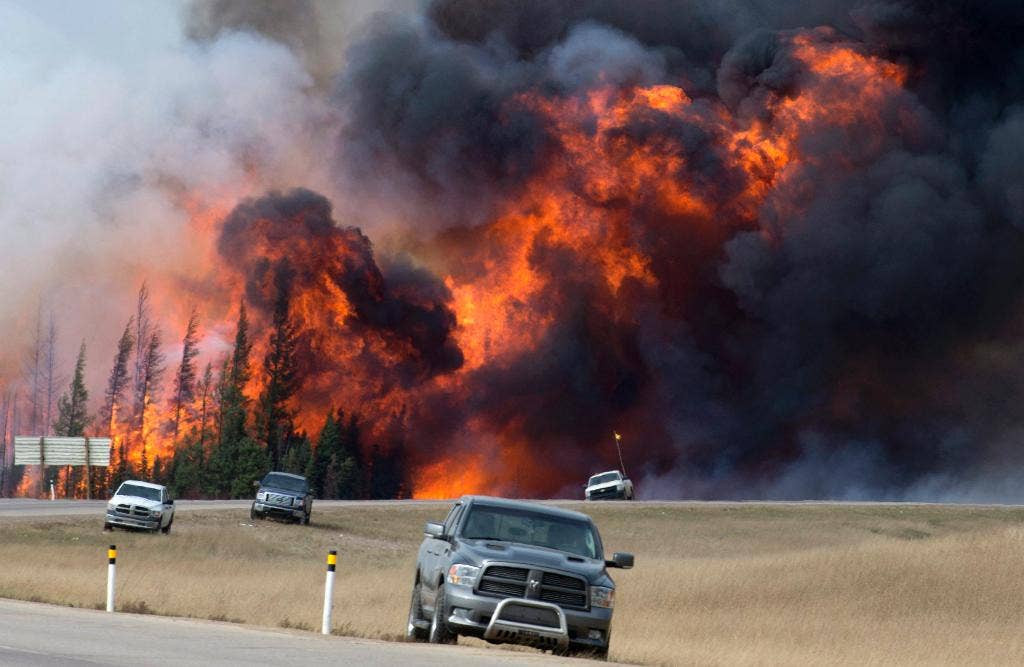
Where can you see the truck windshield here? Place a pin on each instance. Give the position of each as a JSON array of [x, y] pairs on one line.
[[284, 482], [488, 522], [149, 493], [605, 477]]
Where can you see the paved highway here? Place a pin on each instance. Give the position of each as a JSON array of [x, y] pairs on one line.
[[38, 635], [15, 507]]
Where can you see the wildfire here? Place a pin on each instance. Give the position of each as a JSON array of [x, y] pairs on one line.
[[632, 170]]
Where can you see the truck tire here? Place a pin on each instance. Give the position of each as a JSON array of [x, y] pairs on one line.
[[253, 514], [440, 633], [167, 529], [107, 527], [414, 633]]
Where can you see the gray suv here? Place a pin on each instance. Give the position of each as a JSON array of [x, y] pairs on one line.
[[282, 495], [514, 572]]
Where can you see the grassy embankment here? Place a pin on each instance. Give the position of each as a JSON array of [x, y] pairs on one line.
[[714, 584]]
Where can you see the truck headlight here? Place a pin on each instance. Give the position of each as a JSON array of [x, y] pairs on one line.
[[463, 575], [602, 597], [262, 495], [156, 513]]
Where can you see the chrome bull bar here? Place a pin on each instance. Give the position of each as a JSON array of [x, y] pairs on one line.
[[509, 624]]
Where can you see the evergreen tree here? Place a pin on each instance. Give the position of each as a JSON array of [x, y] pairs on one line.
[[299, 456], [72, 417], [274, 419], [72, 408], [152, 371], [327, 447], [185, 378], [388, 472], [333, 470], [252, 465], [238, 460], [112, 408], [206, 400], [355, 483], [188, 469]]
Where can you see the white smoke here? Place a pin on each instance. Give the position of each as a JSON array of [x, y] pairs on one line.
[[98, 157]]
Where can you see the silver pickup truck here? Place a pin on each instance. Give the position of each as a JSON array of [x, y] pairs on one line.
[[514, 572]]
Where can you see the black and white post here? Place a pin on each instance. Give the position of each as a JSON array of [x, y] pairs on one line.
[[111, 573], [332, 563]]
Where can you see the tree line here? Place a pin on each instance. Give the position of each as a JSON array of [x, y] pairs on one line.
[[222, 439]]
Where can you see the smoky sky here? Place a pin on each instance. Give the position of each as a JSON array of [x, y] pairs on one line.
[[833, 343]]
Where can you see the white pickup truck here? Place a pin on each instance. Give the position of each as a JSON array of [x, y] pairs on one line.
[[610, 485], [140, 505]]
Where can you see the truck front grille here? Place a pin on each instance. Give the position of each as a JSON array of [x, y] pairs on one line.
[[513, 582], [278, 499], [125, 509], [504, 581], [610, 492]]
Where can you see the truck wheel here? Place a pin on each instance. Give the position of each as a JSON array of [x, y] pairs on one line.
[[107, 527], [413, 632], [440, 633], [252, 512], [166, 529], [305, 519]]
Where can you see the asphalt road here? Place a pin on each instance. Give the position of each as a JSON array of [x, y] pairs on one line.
[[25, 507], [35, 635]]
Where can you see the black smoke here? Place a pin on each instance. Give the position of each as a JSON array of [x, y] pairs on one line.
[[294, 234], [857, 336]]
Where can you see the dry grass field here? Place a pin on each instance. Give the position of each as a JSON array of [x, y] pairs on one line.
[[715, 584]]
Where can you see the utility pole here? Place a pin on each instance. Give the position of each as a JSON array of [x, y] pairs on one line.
[[618, 447]]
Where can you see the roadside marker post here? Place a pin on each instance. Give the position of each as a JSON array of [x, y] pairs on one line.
[[111, 572], [332, 563]]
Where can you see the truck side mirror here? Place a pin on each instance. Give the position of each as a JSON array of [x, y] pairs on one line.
[[170, 501], [434, 529], [256, 484], [621, 560]]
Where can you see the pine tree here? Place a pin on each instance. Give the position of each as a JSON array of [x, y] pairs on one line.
[[188, 470], [333, 469], [327, 447], [5, 412], [33, 369], [251, 465], [112, 407], [206, 400], [352, 444], [299, 456], [72, 408], [237, 460], [152, 371], [274, 418], [388, 472], [185, 378], [50, 379]]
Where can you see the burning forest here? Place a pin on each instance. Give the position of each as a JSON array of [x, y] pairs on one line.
[[450, 247]]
